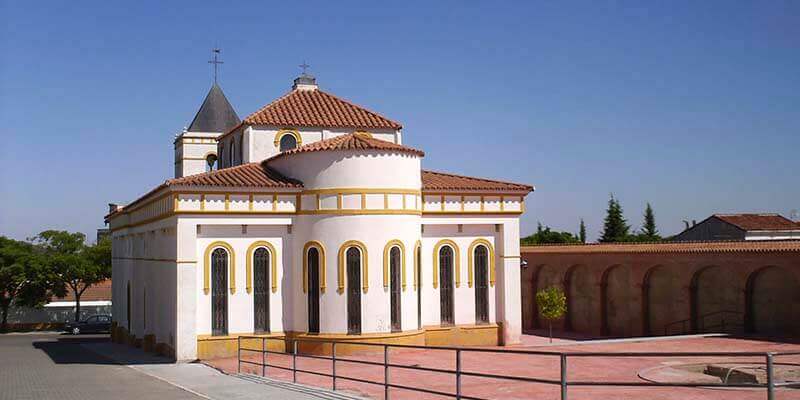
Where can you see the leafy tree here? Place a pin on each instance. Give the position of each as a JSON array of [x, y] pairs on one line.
[[582, 232], [545, 235], [72, 265], [552, 304], [615, 227], [21, 280]]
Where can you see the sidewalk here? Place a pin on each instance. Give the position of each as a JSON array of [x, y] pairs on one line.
[[209, 383]]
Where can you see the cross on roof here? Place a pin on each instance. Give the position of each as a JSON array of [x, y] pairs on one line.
[[215, 61], [304, 66]]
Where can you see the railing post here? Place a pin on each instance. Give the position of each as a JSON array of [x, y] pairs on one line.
[[294, 361], [333, 358], [239, 355], [458, 373], [385, 372], [563, 377], [770, 378], [264, 357]]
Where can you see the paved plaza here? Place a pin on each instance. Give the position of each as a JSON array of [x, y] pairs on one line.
[[607, 369], [53, 366], [62, 367]]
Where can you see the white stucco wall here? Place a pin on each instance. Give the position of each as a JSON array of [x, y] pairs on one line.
[[374, 231], [191, 150], [143, 257], [260, 140], [240, 303], [352, 169]]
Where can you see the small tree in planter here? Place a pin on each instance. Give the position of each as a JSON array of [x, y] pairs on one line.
[[552, 303]]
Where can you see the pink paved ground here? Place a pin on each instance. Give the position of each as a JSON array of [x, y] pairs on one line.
[[544, 367]]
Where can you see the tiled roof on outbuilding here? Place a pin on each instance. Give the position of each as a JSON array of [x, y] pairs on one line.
[[759, 222]]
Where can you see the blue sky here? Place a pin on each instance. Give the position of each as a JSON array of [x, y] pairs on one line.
[[692, 106]]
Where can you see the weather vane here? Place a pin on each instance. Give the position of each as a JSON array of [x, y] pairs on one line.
[[215, 61]]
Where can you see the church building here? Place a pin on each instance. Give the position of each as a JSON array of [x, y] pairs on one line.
[[310, 219]]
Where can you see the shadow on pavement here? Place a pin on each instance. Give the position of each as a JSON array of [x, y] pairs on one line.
[[68, 349]]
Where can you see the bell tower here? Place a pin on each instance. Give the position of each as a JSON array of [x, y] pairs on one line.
[[196, 146]]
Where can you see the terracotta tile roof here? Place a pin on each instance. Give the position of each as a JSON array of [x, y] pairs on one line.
[[251, 175], [350, 141], [758, 222], [669, 247], [443, 182], [100, 291], [315, 108]]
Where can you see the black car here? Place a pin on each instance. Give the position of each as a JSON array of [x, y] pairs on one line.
[[95, 323]]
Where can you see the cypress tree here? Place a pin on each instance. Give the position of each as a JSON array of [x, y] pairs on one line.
[[615, 227], [582, 232], [649, 229]]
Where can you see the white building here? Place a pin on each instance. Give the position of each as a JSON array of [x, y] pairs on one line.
[[319, 224]]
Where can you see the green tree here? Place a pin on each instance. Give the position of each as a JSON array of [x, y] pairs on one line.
[[21, 280], [552, 304], [73, 266], [615, 227], [582, 232], [546, 235], [649, 230]]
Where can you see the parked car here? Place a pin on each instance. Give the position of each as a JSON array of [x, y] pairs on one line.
[[94, 323]]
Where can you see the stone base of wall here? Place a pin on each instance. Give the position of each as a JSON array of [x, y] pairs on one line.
[[210, 347], [463, 335], [149, 343]]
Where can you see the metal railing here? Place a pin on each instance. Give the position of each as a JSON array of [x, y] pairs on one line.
[[459, 372], [737, 322]]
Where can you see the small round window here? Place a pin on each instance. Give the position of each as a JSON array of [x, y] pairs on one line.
[[288, 142]]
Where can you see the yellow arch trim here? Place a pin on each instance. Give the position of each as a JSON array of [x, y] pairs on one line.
[[322, 274], [417, 261], [273, 258], [364, 267], [207, 266], [456, 263], [387, 259], [471, 258], [292, 132]]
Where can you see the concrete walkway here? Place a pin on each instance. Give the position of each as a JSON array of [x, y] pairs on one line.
[[209, 383]]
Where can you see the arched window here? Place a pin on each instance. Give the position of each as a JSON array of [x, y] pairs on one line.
[[211, 162], [219, 292], [395, 281], [288, 142], [312, 258], [481, 262], [353, 258], [261, 280], [446, 303]]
